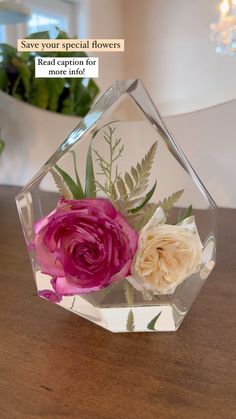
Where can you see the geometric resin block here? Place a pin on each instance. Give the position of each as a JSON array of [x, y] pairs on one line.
[[119, 228]]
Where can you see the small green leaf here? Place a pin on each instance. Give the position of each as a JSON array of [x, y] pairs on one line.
[[114, 193], [187, 213], [75, 190], [25, 76], [141, 218], [93, 89], [39, 35], [3, 79], [55, 88], [152, 323], [130, 322], [1, 146], [7, 52], [61, 185], [61, 34], [68, 106], [76, 171], [90, 186], [129, 181], [104, 126], [168, 203], [129, 292], [39, 94], [134, 174], [145, 200], [121, 188]]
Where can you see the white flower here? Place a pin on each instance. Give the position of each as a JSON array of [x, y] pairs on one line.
[[166, 255]]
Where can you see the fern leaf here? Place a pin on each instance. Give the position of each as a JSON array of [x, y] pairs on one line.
[[144, 200], [187, 213], [129, 292], [134, 174], [168, 203], [134, 203], [130, 322], [139, 169], [114, 193], [61, 185], [137, 181], [74, 188], [121, 188], [129, 181]]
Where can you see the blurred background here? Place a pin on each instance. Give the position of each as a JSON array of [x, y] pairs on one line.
[[182, 50]]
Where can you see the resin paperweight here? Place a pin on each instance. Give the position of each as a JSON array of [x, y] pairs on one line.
[[119, 228]]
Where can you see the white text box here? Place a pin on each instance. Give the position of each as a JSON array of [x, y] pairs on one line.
[[66, 67]]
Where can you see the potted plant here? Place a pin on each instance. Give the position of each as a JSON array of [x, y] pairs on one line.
[[29, 130]]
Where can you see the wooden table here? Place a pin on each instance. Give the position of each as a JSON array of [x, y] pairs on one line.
[[57, 365]]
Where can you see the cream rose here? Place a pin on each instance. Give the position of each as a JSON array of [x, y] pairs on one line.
[[166, 255]]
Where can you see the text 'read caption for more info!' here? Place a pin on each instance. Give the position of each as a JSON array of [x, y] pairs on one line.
[[50, 67]]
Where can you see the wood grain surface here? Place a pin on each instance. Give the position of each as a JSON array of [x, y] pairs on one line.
[[56, 365]]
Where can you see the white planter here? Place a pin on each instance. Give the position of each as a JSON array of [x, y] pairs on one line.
[[31, 135]]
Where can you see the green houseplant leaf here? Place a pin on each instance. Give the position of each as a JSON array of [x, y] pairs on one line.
[[39, 93], [3, 79], [55, 88], [39, 35], [1, 146], [66, 96]]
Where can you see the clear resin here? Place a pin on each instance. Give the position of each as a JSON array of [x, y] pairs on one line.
[[126, 113]]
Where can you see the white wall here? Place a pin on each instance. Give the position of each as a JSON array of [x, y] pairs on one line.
[[31, 135], [208, 138], [168, 47], [103, 19]]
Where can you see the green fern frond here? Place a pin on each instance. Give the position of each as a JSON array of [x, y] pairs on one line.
[[168, 203], [141, 173], [129, 292], [130, 322], [61, 185], [135, 183], [120, 184], [107, 169]]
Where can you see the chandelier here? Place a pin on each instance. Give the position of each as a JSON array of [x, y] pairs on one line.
[[224, 31]]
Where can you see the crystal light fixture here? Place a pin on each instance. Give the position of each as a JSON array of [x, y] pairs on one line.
[[224, 31]]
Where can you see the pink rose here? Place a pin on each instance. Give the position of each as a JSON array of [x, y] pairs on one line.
[[84, 245]]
